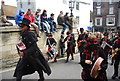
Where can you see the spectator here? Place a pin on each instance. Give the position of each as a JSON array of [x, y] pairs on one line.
[[37, 19], [67, 21], [52, 23], [44, 22], [5, 22], [61, 22], [62, 46], [31, 17], [19, 17]]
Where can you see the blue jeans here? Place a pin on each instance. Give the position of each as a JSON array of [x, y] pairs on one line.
[[46, 26], [64, 27], [53, 26], [38, 24]]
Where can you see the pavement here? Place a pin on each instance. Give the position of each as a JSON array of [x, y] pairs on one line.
[[60, 70]]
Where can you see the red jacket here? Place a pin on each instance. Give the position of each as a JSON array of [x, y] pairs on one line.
[[31, 17]]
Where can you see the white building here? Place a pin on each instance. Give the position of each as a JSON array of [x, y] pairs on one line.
[[81, 9]]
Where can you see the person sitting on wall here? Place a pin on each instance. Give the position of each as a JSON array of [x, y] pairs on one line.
[[31, 17], [67, 21], [44, 22], [19, 17], [60, 20], [52, 23], [5, 22], [37, 18]]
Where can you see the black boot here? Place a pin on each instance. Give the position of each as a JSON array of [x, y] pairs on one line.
[[41, 79], [119, 77], [114, 76], [66, 60]]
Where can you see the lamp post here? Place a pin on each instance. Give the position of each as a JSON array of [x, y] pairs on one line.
[[71, 6]]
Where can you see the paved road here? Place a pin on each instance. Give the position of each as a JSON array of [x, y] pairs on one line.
[[60, 70]]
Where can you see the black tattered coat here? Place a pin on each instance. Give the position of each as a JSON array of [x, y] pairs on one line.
[[33, 59], [87, 67]]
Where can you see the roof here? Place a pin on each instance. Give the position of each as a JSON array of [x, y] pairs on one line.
[[9, 10]]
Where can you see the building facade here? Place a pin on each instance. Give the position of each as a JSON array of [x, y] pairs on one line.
[[81, 9], [105, 15]]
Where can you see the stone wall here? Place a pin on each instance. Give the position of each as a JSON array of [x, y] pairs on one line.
[[9, 36]]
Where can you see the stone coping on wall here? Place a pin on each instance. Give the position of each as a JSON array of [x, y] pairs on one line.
[[6, 29]]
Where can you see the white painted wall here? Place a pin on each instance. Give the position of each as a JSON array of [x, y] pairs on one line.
[[84, 16]]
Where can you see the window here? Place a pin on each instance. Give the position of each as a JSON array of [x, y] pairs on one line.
[[20, 4], [77, 5], [111, 10], [98, 10], [110, 2], [110, 21], [29, 2], [98, 2], [77, 18], [98, 22]]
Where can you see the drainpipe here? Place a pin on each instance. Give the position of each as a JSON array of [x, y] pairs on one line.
[[118, 22]]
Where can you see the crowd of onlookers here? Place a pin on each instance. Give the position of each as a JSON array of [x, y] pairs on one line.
[[41, 21]]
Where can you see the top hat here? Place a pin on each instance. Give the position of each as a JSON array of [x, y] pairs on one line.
[[81, 29], [26, 22]]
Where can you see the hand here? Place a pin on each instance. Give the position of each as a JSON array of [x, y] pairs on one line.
[[88, 61], [7, 23], [99, 68]]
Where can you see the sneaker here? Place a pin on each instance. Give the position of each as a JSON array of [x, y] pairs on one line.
[[114, 76]]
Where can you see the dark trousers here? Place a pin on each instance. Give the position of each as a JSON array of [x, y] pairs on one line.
[[62, 50], [69, 26], [80, 51], [70, 51], [64, 27], [116, 66]]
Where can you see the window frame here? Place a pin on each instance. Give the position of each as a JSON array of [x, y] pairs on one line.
[[107, 21], [110, 1], [98, 2], [78, 19], [97, 21], [98, 8], [77, 6], [29, 2], [111, 10]]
